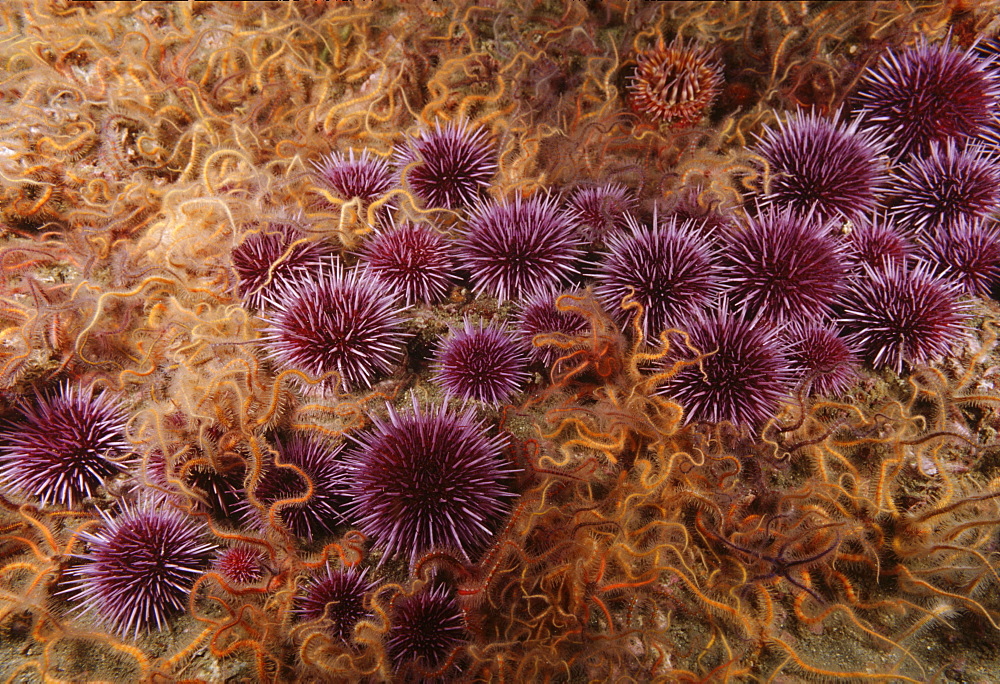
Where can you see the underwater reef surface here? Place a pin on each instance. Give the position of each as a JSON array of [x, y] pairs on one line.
[[506, 342]]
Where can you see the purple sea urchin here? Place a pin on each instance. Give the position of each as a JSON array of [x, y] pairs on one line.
[[337, 322], [672, 270], [240, 564], [481, 362], [425, 630], [968, 252], [414, 258], [949, 184], [427, 480], [876, 244], [822, 166], [140, 568], [599, 211], [742, 379], [338, 597], [62, 447], [928, 94], [365, 177], [448, 166], [896, 316], [540, 316], [272, 256], [820, 356], [519, 248], [674, 84], [784, 267]]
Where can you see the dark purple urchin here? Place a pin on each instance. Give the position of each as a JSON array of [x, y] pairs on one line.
[[898, 316], [140, 568], [519, 248], [819, 356], [928, 94], [541, 316], [240, 564], [968, 252], [425, 629], [784, 267], [743, 379], [272, 256], [876, 244], [347, 323], [822, 166], [319, 515], [598, 211], [339, 597], [448, 166], [365, 177], [414, 258], [672, 270], [949, 184], [427, 480], [62, 447], [483, 362]]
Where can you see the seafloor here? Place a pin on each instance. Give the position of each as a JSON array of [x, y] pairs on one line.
[[197, 486]]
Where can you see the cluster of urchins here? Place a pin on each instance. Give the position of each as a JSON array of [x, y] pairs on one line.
[[871, 231]]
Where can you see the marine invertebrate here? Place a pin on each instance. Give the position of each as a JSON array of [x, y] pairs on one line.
[[876, 243], [427, 479], [62, 447], [672, 270], [140, 568], [901, 315], [823, 166], [412, 257], [784, 266], [448, 167], [337, 322], [928, 94], [741, 377], [820, 356], [967, 251], [519, 247], [601, 210], [541, 316], [948, 184], [366, 177], [240, 564], [274, 254], [674, 83], [483, 362], [427, 627], [339, 597]]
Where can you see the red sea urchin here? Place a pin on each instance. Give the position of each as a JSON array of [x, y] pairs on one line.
[[336, 322], [426, 628], [339, 597], [62, 447], [674, 84], [240, 564], [448, 166], [483, 362], [414, 258], [429, 479], [140, 568]]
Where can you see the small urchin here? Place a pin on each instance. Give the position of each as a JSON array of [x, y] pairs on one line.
[[541, 315], [742, 376], [449, 166], [62, 447], [140, 568], [414, 258], [876, 243], [481, 362], [928, 94], [784, 267], [366, 177], [823, 166], [967, 252], [344, 324], [427, 479], [272, 255], [601, 210], [900, 316], [519, 248], [240, 564], [337, 596], [672, 270], [820, 356], [425, 629], [674, 83]]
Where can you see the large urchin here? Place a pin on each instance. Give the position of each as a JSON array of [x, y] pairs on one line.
[[425, 629], [448, 166], [427, 479], [271, 256], [481, 362], [901, 316], [672, 270], [742, 378], [342, 322], [414, 258], [140, 568], [519, 248], [339, 597], [928, 94], [784, 267], [62, 447], [823, 166]]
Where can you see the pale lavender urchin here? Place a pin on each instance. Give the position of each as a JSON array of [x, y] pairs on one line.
[[820, 356], [599, 211], [482, 362], [428, 479], [541, 316], [140, 568], [414, 258], [672, 270], [448, 166], [365, 177], [347, 323], [425, 629], [967, 252], [62, 447], [266, 258], [822, 166], [901, 316], [519, 248], [339, 597]]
